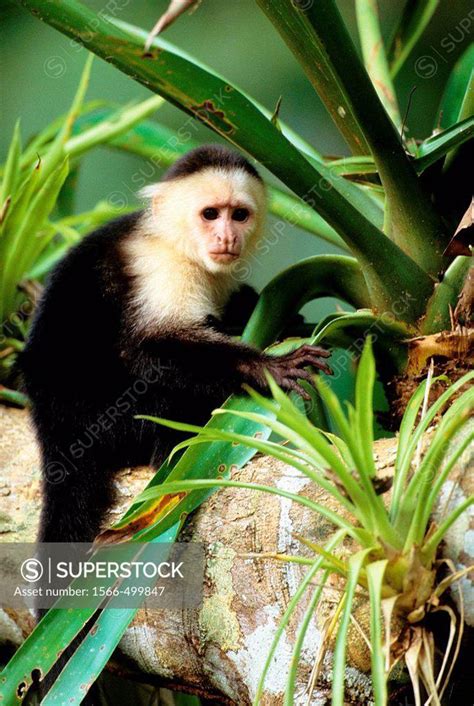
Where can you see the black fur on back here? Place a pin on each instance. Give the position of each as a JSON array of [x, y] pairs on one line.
[[209, 156]]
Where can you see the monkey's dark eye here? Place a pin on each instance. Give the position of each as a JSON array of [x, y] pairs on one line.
[[210, 214], [240, 214]]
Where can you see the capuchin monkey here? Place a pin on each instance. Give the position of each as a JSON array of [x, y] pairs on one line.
[[133, 322]]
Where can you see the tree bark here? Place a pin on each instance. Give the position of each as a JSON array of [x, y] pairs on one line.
[[218, 650]]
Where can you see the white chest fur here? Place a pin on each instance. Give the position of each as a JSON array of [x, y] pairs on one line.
[[169, 289]]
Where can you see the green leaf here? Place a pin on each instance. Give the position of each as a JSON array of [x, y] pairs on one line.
[[457, 102], [375, 574], [55, 153], [413, 224], [364, 392], [299, 642], [297, 213], [356, 562], [414, 20], [320, 276], [366, 321], [24, 250], [175, 487], [93, 653], [230, 113], [112, 127], [405, 453], [11, 172], [419, 497], [312, 55], [375, 57], [432, 149], [432, 544], [13, 397], [445, 296]]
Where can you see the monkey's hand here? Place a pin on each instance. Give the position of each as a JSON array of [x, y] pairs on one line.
[[286, 370]]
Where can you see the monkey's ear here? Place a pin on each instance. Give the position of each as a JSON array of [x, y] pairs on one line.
[[154, 194]]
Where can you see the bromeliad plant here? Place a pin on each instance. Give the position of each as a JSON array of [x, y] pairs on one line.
[[394, 561]]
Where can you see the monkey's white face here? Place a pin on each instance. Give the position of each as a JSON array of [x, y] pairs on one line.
[[222, 229], [214, 216]]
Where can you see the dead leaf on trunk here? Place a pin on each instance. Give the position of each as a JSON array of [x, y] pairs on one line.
[[464, 235]]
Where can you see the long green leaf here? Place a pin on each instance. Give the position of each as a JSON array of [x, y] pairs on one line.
[[55, 154], [439, 145], [195, 485], [24, 248], [375, 57], [375, 574], [364, 393], [11, 172], [89, 659], [108, 129], [227, 111], [415, 18], [330, 546], [413, 223], [405, 453], [457, 102], [339, 660], [299, 642]]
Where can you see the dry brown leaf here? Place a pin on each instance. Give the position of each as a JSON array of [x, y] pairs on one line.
[[464, 235], [175, 9]]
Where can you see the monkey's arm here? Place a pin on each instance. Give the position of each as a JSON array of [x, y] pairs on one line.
[[203, 357]]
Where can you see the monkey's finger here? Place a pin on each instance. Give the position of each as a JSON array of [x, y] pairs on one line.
[[290, 384], [302, 374], [301, 357], [321, 365], [321, 352], [314, 361], [313, 350]]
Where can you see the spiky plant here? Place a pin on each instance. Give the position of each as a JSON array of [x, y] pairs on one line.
[[394, 560]]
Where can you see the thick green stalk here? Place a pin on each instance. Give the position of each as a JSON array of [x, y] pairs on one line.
[[414, 225], [226, 110], [325, 80], [320, 276]]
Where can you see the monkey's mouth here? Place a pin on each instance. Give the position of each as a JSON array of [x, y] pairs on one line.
[[224, 256]]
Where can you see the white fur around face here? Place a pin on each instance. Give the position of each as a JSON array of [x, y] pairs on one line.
[[177, 205], [174, 281]]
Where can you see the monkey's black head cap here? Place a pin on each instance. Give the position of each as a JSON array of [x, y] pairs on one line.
[[207, 156]]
